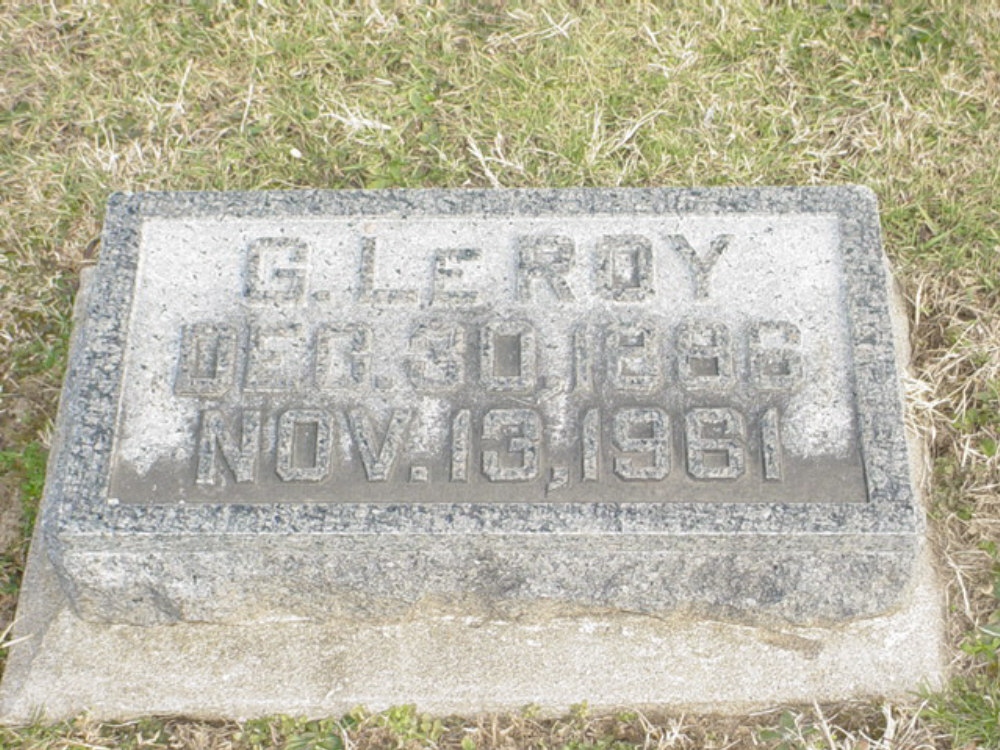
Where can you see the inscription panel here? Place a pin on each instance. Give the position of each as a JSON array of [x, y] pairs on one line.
[[694, 358]]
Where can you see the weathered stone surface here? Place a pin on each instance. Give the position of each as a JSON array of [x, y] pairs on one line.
[[524, 406], [450, 664]]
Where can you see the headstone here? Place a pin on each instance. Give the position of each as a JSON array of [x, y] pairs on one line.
[[504, 442]]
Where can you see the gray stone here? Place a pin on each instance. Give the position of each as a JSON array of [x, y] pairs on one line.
[[364, 409], [450, 664]]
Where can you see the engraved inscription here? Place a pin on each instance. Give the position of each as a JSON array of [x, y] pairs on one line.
[[716, 446], [512, 439], [238, 454], [208, 360], [276, 269], [507, 356], [305, 441], [625, 267], [521, 431], [704, 355], [538, 361]]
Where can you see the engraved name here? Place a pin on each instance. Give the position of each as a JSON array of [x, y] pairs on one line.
[[277, 270]]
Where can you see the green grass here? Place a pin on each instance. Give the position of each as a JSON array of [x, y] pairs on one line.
[[405, 727], [970, 706], [900, 96], [29, 466]]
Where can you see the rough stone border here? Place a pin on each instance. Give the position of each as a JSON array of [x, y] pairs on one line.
[[78, 482]]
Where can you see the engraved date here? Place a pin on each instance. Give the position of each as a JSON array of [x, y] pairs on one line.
[[498, 445]]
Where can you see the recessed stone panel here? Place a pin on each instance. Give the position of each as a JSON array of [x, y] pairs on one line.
[[488, 359]]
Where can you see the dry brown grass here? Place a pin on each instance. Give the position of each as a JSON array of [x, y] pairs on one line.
[[957, 326]]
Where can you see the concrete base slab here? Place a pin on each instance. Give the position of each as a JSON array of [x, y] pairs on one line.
[[61, 665]]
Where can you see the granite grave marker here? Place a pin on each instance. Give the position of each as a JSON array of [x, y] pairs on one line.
[[357, 411]]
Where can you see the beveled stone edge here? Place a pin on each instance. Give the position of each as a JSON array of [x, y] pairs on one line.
[[75, 498]]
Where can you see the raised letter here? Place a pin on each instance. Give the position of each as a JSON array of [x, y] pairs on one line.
[[304, 445], [700, 266], [500, 423], [274, 362], [368, 292], [276, 269], [655, 426], [704, 355], [447, 269], [437, 356], [715, 443], [775, 361], [507, 356], [343, 356], [583, 362], [624, 267], [241, 459], [633, 353], [379, 462], [208, 360], [547, 258], [770, 442], [591, 440], [460, 427]]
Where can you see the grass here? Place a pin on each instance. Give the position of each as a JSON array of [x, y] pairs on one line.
[[849, 727], [900, 96]]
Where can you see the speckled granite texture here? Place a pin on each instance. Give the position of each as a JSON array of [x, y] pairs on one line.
[[812, 560], [683, 483]]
